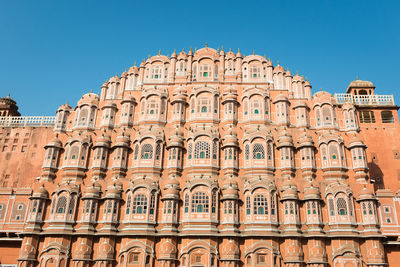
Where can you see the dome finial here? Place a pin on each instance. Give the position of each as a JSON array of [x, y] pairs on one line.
[[159, 52], [206, 44], [277, 62], [91, 90], [357, 77], [322, 89], [253, 52], [134, 64]]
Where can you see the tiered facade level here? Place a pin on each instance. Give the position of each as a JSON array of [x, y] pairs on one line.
[[203, 158]]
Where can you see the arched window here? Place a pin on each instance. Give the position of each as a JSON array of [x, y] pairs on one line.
[[186, 203], [200, 202], [128, 204], [273, 204], [331, 207], [152, 105], [71, 206], [202, 150], [190, 151], [215, 150], [158, 151], [247, 151], [326, 114], [341, 206], [147, 151], [258, 151], [136, 151], [74, 152], [269, 151], [139, 205], [61, 205], [204, 103], [248, 205], [260, 205], [152, 202], [214, 202]]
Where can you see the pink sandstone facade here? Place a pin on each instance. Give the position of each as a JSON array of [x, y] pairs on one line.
[[206, 158]]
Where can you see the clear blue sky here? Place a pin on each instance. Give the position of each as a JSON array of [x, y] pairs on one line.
[[53, 51]]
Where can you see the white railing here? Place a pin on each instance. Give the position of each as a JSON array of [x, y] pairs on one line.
[[365, 100], [28, 121]]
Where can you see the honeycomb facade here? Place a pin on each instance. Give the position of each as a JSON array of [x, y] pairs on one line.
[[204, 158]]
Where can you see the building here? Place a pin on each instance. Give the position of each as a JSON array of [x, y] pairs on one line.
[[204, 158]]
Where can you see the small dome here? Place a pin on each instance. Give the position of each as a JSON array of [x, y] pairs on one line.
[[285, 138], [64, 107], [289, 190], [182, 54], [124, 74], [297, 77], [230, 188], [280, 98], [114, 189], [93, 190], [279, 68], [322, 94], [311, 192], [179, 94], [109, 104], [122, 139], [230, 139], [173, 54], [89, 99], [300, 103], [355, 141], [238, 54], [305, 140], [230, 54], [103, 140], [177, 138], [41, 192], [133, 69], [128, 98], [114, 79], [288, 73], [366, 194], [55, 142], [229, 93], [361, 84]]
